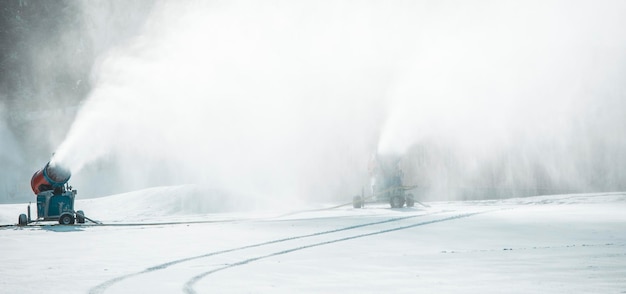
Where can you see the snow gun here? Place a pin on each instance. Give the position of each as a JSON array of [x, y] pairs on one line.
[[51, 177], [55, 197]]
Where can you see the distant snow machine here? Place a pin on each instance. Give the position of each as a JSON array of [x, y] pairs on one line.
[[55, 198], [386, 181], [396, 196]]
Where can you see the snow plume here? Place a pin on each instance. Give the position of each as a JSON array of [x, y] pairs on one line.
[[282, 100], [257, 101], [508, 96]]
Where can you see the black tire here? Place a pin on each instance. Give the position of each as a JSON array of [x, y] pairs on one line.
[[396, 202], [410, 201], [22, 220], [66, 219], [357, 202], [80, 217]]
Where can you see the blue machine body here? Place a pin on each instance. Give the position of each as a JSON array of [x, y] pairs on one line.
[[51, 206]]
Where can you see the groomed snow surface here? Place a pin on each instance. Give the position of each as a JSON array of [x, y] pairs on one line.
[[150, 243]]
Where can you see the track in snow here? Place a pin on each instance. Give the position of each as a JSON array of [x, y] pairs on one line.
[[189, 285], [102, 287]]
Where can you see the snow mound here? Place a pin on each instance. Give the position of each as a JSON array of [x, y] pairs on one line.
[[152, 204], [192, 202]]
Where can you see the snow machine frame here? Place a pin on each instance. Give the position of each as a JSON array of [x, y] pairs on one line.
[[55, 197], [55, 205], [396, 196]]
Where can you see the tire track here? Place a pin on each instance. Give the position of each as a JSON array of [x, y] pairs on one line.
[[101, 288], [189, 285]]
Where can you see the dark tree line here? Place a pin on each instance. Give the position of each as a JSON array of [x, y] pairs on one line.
[[49, 47], [36, 67]]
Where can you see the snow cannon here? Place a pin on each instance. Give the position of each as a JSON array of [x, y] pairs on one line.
[[52, 176], [55, 197], [386, 181]]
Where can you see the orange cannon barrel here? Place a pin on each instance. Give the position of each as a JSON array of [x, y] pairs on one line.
[[50, 177]]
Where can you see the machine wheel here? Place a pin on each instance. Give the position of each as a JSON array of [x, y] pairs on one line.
[[66, 219], [22, 220], [396, 202], [80, 217], [410, 201], [357, 202]]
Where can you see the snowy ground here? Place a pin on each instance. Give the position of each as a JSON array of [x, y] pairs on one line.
[[550, 244]]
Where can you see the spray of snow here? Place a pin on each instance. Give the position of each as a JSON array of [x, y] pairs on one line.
[[278, 99], [249, 100], [508, 95]]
